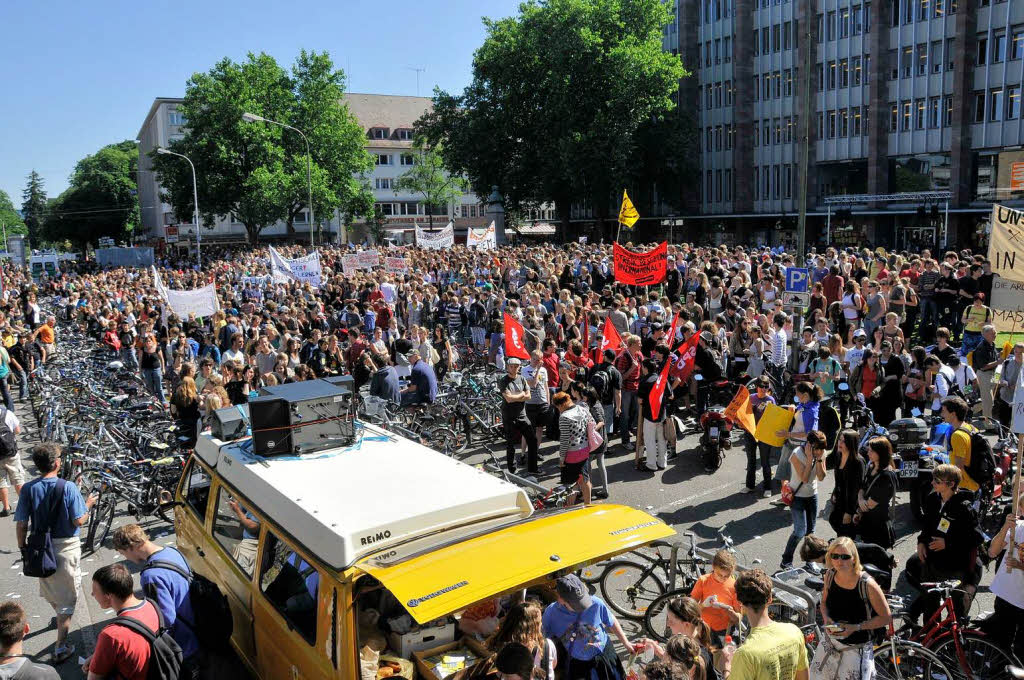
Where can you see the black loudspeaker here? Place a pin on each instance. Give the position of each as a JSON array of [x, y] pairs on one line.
[[230, 423], [273, 436], [346, 382]]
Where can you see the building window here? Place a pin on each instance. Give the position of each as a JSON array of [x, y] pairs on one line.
[[386, 208], [1017, 44], [176, 118], [867, 118], [894, 116], [908, 11], [998, 47], [933, 112], [407, 159], [757, 183], [728, 93], [867, 69], [787, 184], [756, 41], [908, 61], [979, 107], [775, 182], [907, 111], [777, 84], [844, 123], [757, 89], [728, 136], [405, 134], [894, 72], [710, 138], [728, 185], [922, 59], [766, 132], [831, 131], [718, 51], [710, 96], [950, 54], [821, 27], [378, 133], [821, 125], [830, 26], [787, 126], [867, 17], [936, 56], [1012, 102], [383, 158], [382, 183], [710, 181], [844, 73], [727, 49], [844, 22], [855, 20], [982, 50], [831, 75], [923, 9], [777, 125], [718, 185], [718, 138], [995, 108], [766, 183], [855, 70], [707, 54], [856, 121], [787, 35], [766, 87], [947, 116], [766, 40], [776, 37], [919, 121], [787, 83]]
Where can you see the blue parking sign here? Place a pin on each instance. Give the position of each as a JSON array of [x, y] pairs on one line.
[[796, 280]]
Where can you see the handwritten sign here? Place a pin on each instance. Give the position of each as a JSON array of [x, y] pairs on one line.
[[368, 259], [1006, 244], [396, 265], [644, 269]]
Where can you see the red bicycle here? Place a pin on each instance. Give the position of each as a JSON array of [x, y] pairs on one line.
[[965, 650]]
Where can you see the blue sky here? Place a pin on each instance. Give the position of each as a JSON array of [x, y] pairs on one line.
[[79, 75]]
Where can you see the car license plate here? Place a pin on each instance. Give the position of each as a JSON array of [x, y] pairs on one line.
[[713, 431], [909, 468]]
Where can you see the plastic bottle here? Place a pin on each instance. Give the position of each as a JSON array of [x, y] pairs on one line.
[[729, 648]]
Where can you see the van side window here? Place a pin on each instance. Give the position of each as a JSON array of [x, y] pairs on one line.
[[290, 584], [330, 645], [237, 530], [197, 490]]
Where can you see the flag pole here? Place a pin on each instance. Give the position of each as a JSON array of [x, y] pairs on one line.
[[618, 231]]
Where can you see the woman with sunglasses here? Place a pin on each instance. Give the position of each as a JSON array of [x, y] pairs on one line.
[[852, 605]]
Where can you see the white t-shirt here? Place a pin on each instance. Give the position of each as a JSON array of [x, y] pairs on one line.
[[854, 355], [233, 355], [388, 290], [11, 420], [965, 375], [1010, 586]]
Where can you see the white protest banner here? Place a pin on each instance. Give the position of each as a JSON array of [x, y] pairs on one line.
[[303, 269], [257, 281], [1007, 304], [349, 264], [483, 238], [437, 240], [368, 259], [396, 265], [158, 282], [201, 301], [1006, 244]]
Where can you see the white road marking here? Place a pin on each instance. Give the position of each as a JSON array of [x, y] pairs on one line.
[[693, 497]]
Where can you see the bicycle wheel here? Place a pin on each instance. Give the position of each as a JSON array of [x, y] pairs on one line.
[[982, 658], [656, 616], [102, 517], [463, 430], [443, 439], [629, 588], [909, 661]]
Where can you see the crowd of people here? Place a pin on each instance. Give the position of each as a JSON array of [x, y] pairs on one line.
[[907, 332]]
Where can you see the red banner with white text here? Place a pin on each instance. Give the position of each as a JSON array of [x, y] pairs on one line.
[[641, 269]]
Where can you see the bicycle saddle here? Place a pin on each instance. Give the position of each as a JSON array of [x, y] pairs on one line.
[[720, 383], [815, 583]]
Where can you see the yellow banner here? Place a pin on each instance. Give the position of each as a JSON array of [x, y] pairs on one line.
[[774, 419], [627, 213]]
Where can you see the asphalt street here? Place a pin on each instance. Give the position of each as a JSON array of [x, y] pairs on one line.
[[682, 495]]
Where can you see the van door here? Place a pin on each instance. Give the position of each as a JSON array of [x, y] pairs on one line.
[[190, 516], [292, 613], [232, 557]]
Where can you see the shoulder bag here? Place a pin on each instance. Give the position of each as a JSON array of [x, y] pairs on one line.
[[39, 559]]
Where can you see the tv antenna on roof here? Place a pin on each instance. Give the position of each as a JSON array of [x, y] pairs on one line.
[[418, 72]]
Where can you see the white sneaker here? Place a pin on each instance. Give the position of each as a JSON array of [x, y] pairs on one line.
[[766, 494]]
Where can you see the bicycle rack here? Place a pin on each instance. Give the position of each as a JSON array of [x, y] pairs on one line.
[[799, 599]]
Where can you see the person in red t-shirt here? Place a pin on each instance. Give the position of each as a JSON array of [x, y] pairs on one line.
[[551, 361], [120, 652]]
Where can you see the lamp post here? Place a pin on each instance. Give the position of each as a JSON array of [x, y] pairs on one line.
[[253, 118], [195, 201]]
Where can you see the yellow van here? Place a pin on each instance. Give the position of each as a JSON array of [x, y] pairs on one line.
[[298, 543]]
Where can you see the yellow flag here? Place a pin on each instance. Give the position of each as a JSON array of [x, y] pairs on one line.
[[627, 213]]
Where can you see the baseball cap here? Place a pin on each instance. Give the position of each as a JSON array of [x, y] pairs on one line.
[[860, 333], [572, 590], [411, 353], [705, 336], [513, 361]]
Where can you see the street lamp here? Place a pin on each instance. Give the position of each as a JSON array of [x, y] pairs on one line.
[[253, 118], [195, 201]]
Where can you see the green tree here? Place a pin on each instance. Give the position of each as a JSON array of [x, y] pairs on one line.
[[101, 199], [9, 217], [558, 94], [33, 205], [257, 171], [428, 178]]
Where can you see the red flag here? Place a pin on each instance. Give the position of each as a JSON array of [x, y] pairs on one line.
[[687, 356], [586, 333], [514, 346], [672, 331], [610, 338], [658, 391], [640, 269]]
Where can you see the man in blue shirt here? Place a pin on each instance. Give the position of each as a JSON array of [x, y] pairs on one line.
[[37, 503], [164, 585], [422, 387]]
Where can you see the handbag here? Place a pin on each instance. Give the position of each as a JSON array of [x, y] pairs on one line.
[[594, 438], [789, 492], [39, 559]]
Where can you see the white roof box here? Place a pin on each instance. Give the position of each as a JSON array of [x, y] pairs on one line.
[[384, 494]]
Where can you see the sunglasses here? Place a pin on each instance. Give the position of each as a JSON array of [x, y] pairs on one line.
[[841, 556]]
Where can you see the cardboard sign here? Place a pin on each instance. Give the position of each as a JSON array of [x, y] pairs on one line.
[[349, 264], [740, 411], [396, 265], [643, 269], [368, 259], [1007, 304], [773, 419], [1006, 244]]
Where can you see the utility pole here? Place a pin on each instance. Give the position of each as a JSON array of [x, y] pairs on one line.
[[418, 72], [805, 147]]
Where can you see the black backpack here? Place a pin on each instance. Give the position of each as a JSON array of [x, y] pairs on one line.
[[982, 468], [210, 609], [165, 655], [8, 442], [601, 383]]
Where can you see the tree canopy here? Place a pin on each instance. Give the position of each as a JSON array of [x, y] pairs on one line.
[[9, 216], [257, 171], [33, 206], [101, 200], [558, 95], [429, 178]]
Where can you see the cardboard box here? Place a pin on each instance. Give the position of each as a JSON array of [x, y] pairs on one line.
[[423, 637], [427, 670]]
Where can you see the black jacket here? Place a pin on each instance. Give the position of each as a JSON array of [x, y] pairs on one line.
[[957, 523]]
